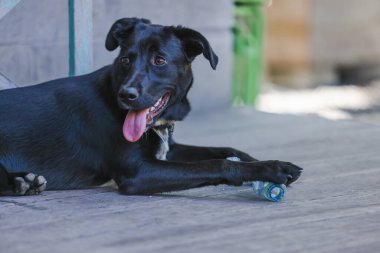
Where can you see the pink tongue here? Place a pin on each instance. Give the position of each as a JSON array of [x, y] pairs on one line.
[[135, 124]]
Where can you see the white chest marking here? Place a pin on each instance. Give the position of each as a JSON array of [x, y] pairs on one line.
[[164, 143]]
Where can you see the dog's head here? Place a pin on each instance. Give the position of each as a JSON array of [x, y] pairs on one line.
[[152, 73]]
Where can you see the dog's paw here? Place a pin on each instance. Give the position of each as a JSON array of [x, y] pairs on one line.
[[280, 172], [29, 184]]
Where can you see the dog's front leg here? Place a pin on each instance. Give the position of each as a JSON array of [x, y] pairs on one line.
[[187, 153], [155, 176]]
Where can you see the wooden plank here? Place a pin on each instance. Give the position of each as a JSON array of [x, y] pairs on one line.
[[6, 6], [334, 207], [80, 37]]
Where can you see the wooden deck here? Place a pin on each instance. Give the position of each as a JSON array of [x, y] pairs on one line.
[[334, 207]]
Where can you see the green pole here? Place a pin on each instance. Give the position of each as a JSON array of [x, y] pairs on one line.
[[71, 38], [248, 51], [80, 37], [6, 6]]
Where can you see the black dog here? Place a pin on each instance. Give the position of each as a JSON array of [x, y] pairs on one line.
[[116, 123]]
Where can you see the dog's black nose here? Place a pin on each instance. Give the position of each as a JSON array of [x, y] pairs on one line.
[[129, 94]]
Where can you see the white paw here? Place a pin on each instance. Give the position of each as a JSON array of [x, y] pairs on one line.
[[30, 184]]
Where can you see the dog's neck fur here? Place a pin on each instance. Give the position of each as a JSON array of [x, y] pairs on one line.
[[164, 130], [163, 148]]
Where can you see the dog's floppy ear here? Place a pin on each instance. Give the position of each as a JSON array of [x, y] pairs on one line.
[[194, 44], [121, 29]]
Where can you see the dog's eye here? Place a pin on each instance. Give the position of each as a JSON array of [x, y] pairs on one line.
[[158, 60], [125, 61]]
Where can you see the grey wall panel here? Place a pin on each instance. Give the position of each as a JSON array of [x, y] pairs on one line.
[[34, 39]]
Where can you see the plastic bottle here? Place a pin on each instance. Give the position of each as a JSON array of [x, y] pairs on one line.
[[270, 191]]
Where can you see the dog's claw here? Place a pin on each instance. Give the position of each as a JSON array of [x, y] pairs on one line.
[[294, 174]]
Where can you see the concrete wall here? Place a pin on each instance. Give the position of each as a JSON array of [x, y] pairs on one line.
[[34, 39]]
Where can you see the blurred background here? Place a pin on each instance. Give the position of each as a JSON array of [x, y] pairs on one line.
[[323, 57], [282, 56]]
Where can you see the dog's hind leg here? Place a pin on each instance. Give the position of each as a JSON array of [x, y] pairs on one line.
[[21, 183]]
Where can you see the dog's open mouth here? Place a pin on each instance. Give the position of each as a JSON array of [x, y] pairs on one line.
[[136, 121], [157, 108]]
